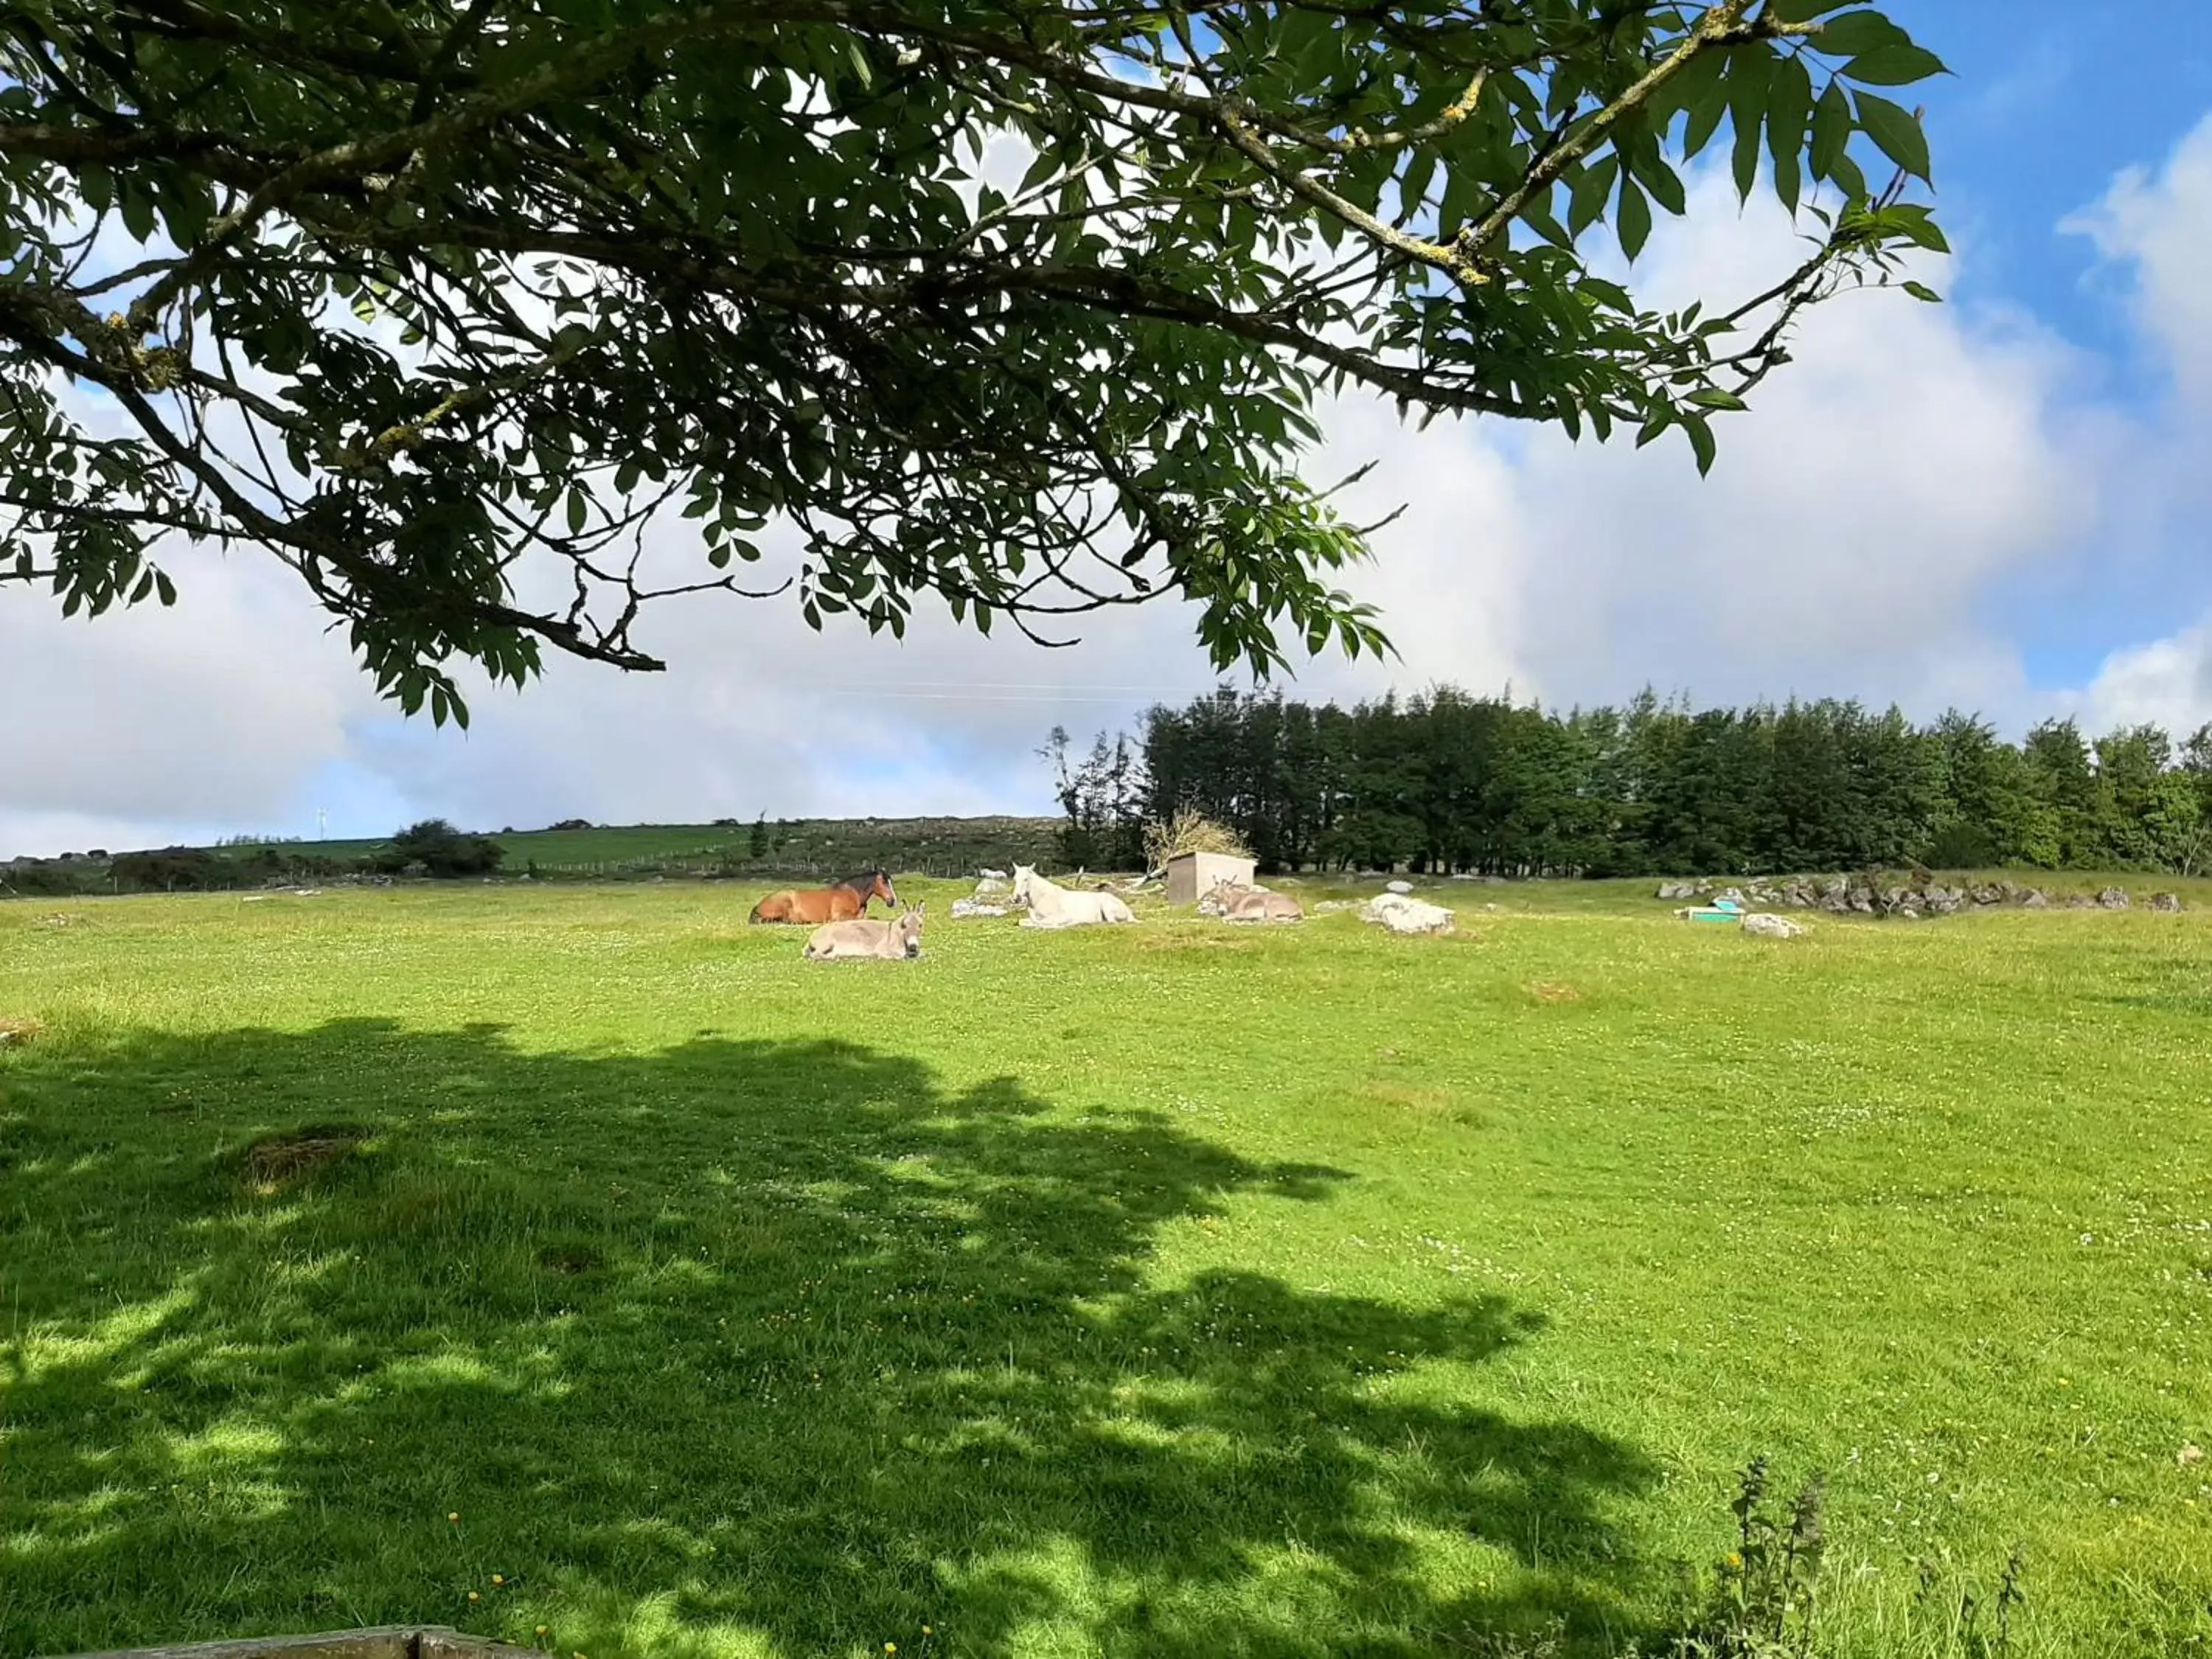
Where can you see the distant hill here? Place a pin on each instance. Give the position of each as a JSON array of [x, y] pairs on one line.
[[798, 848]]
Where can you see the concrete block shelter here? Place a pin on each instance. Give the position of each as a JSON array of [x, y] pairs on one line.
[[1192, 876]]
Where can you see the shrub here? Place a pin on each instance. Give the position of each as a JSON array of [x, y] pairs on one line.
[[40, 878], [1189, 831], [172, 867], [1763, 1601], [440, 850], [1958, 845]]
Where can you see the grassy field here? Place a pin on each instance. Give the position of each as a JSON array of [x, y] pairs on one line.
[[945, 846], [581, 1259]]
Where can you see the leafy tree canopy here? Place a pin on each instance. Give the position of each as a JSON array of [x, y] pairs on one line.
[[1026, 304], [442, 850]]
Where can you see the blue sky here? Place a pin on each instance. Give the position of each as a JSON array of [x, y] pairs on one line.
[[2051, 99], [1998, 504]]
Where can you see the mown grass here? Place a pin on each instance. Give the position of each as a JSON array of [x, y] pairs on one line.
[[1164, 1290]]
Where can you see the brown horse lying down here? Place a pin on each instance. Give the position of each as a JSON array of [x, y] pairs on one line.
[[814, 905]]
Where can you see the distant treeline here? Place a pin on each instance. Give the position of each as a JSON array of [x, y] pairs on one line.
[[1449, 782]]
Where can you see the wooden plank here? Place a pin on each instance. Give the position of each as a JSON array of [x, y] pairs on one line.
[[385, 1642], [442, 1644]]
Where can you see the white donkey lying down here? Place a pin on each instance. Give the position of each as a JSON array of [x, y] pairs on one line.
[[1050, 906], [851, 941]]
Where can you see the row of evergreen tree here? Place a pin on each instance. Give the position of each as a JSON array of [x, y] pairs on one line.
[[1445, 782]]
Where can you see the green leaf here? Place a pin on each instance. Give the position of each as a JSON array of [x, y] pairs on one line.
[[1847, 177], [1922, 291], [1421, 169], [1751, 69], [1789, 100], [579, 511], [1592, 188], [1894, 66], [1893, 127], [1831, 131], [1657, 177], [1705, 114], [186, 209], [1633, 221], [1695, 81], [1537, 216], [1047, 164], [1714, 396], [138, 215], [1700, 433], [1913, 222], [1857, 31]]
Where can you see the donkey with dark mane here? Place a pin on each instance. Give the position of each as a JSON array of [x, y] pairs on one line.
[[841, 902]]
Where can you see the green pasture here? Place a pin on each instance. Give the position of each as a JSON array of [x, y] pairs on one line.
[[835, 846], [581, 1258]]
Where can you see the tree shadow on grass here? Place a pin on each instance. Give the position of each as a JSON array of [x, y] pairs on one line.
[[745, 1347]]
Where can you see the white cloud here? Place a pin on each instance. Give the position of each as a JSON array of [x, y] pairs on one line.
[[2166, 682], [1910, 456], [150, 722], [2157, 227], [2154, 227]]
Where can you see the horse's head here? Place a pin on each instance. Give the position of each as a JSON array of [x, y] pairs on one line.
[[1023, 874], [881, 888]]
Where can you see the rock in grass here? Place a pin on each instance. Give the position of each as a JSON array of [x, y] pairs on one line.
[[964, 908], [2113, 898], [1678, 890], [1401, 914], [2166, 902], [1400, 887], [1759, 925], [2035, 899]]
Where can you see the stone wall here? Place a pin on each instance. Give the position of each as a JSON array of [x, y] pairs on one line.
[[1903, 895]]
